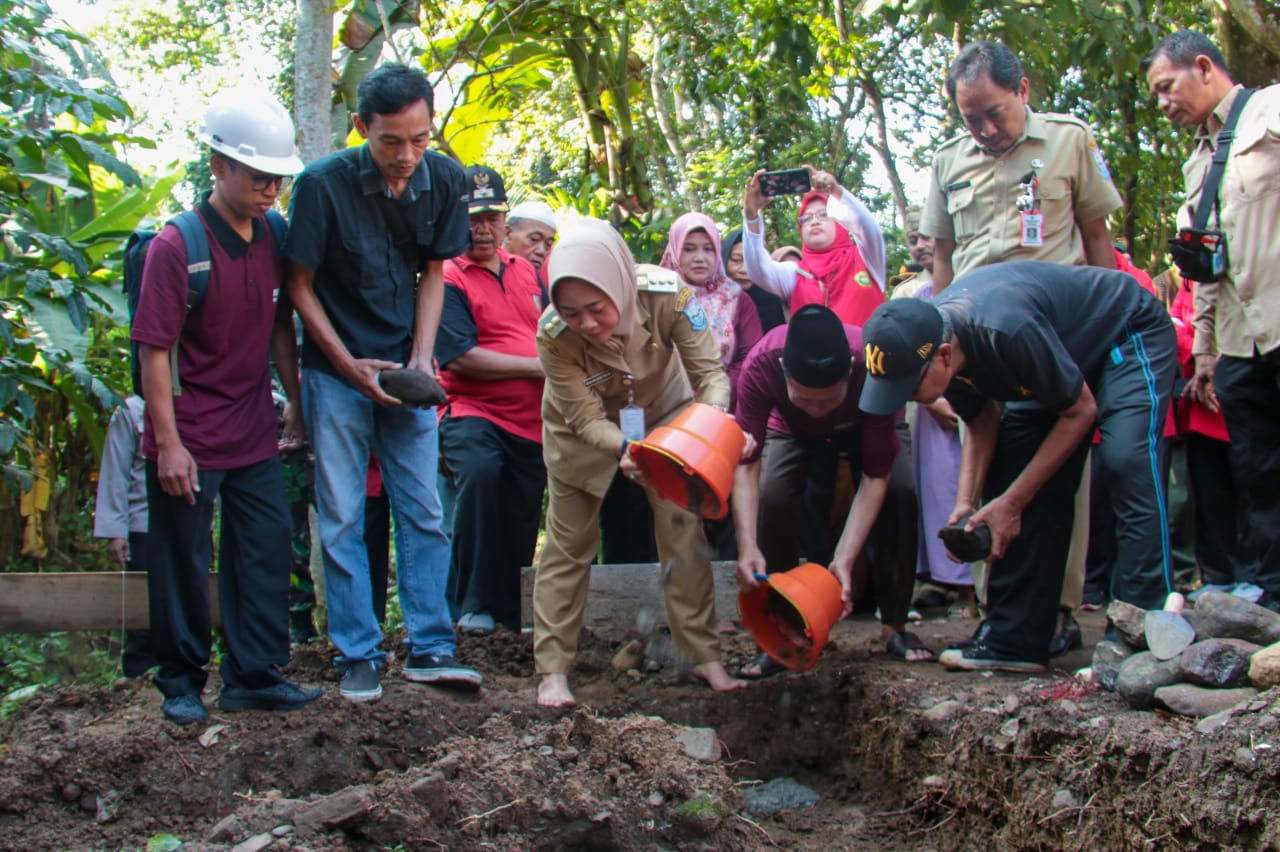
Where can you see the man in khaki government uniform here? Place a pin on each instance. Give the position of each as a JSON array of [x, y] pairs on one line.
[[1020, 185], [1237, 322]]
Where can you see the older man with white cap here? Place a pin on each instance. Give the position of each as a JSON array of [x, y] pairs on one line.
[[531, 232]]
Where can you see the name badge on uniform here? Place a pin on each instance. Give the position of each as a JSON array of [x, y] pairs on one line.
[[1032, 229], [631, 421]]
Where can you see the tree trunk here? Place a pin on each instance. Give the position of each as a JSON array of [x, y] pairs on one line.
[[313, 79]]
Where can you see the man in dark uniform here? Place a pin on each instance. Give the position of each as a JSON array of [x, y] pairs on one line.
[[1087, 346]]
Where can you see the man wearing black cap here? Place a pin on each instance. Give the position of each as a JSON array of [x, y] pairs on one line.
[[1087, 345], [798, 397], [491, 433]]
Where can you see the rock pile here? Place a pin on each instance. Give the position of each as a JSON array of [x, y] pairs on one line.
[[1198, 662]]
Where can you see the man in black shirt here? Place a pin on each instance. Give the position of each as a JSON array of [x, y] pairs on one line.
[[1087, 346], [371, 228]]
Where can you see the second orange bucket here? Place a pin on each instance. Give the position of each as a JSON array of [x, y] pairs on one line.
[[791, 615], [691, 460]]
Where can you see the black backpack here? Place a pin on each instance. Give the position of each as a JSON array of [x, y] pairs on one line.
[[197, 248]]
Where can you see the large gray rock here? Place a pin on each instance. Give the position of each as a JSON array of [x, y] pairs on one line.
[[1189, 700], [1168, 633], [1217, 662], [1141, 675], [1223, 616], [1107, 659], [1130, 623]]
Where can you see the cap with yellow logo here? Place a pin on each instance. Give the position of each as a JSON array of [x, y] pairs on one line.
[[898, 341]]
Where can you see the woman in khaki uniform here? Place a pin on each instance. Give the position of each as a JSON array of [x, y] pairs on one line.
[[618, 341]]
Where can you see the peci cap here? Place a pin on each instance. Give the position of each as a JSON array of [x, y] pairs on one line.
[[816, 353], [534, 211], [488, 193], [898, 341]]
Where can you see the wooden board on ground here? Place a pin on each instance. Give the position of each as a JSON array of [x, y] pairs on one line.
[[93, 600], [619, 593]]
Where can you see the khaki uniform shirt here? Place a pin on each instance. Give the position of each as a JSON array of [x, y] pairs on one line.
[[586, 386], [973, 195], [1239, 315]]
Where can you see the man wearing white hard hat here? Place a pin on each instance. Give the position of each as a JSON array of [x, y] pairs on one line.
[[210, 422], [531, 232]]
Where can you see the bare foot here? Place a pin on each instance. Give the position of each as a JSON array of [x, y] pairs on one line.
[[715, 676], [553, 691]]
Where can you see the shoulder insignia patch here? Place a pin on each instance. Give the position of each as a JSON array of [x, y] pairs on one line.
[[1099, 160], [655, 279], [682, 298], [863, 278], [552, 324], [697, 317]]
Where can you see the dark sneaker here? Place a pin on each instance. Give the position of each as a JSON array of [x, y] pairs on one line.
[[1068, 637], [185, 710], [441, 670], [360, 682], [978, 635], [280, 696], [980, 657]]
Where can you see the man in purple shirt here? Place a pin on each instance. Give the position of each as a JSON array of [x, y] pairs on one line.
[[798, 397]]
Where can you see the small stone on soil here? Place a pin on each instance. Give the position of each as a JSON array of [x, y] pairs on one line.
[[700, 743], [227, 829], [944, 711], [1188, 700], [254, 844], [778, 794], [1063, 800]]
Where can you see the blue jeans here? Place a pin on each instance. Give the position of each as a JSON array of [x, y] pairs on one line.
[[344, 425]]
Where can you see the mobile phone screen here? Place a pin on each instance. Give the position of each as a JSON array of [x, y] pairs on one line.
[[785, 182]]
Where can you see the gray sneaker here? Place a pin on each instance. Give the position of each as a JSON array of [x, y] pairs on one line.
[[441, 670], [360, 682], [476, 624]]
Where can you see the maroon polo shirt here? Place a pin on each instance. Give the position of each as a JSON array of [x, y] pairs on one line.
[[224, 414], [763, 404], [499, 313]]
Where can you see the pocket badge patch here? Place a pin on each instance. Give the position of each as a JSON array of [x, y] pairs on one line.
[[697, 316]]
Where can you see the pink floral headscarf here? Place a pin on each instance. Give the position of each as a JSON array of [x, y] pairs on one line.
[[719, 298]]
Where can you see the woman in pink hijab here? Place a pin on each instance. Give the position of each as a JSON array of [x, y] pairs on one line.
[[693, 250]]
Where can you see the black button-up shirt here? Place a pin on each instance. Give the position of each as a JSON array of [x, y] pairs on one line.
[[367, 247]]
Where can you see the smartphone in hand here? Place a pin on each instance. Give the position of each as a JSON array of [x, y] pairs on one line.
[[785, 182]]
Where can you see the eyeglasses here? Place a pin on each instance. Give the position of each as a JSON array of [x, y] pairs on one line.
[[259, 180], [813, 217]]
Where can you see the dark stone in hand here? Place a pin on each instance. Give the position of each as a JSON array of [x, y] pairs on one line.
[[412, 387], [964, 545]]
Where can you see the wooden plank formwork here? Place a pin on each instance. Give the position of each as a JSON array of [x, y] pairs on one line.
[[91, 600]]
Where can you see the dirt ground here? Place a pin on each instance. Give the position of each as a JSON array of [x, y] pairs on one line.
[[1026, 763]]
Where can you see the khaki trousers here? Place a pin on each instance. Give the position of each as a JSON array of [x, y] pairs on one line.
[[564, 572]]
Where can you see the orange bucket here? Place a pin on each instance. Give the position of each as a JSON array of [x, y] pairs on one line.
[[690, 461], [790, 616]]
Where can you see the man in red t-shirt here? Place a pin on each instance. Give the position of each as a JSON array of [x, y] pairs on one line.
[[216, 434], [491, 431]]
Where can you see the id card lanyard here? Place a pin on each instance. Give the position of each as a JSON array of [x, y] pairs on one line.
[[1031, 233], [631, 417]]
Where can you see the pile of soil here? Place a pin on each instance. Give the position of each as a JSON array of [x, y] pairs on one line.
[[903, 757]]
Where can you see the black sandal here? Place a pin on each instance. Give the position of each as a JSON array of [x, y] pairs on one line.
[[765, 666], [906, 641]]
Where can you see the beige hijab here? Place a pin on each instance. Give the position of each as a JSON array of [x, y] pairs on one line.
[[594, 252]]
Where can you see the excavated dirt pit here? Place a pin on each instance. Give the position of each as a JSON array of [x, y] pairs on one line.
[[1014, 763]]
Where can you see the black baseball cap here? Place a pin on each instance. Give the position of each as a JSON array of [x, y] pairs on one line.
[[488, 192], [816, 352], [898, 341]]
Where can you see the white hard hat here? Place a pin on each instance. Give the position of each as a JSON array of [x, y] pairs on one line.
[[537, 211], [252, 128]]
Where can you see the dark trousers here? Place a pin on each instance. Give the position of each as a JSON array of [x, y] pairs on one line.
[[1024, 587], [253, 578], [1248, 390], [137, 659], [498, 481], [794, 517], [377, 543], [1217, 511], [626, 524]]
